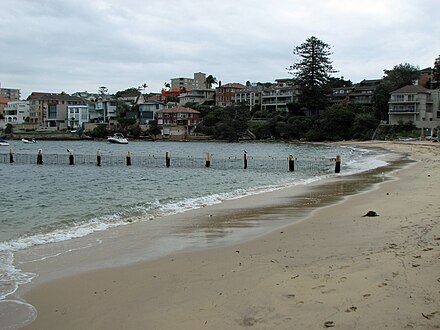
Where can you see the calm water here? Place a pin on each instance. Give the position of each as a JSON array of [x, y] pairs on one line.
[[52, 203]]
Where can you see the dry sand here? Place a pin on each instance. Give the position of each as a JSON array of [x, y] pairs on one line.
[[335, 269]]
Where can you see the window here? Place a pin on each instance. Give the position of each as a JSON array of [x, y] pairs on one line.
[[52, 111], [399, 98], [411, 97]]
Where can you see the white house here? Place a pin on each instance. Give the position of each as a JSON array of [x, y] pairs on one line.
[[77, 115], [16, 112]]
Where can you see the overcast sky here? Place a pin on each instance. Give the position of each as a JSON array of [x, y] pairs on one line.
[[79, 45]]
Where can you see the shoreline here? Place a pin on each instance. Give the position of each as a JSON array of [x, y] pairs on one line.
[[265, 254]]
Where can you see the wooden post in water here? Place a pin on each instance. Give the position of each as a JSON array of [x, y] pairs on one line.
[[245, 160], [11, 155], [71, 158], [167, 159], [208, 160], [128, 158], [338, 164], [98, 158], [291, 164], [40, 157]]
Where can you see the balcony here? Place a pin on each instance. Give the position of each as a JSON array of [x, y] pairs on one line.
[[403, 111]]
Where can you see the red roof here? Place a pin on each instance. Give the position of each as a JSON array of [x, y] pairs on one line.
[[233, 85], [178, 109]]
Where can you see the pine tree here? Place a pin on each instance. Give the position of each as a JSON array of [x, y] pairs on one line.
[[312, 73]]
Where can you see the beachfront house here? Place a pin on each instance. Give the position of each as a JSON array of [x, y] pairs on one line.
[[177, 121], [16, 112], [77, 115], [415, 104]]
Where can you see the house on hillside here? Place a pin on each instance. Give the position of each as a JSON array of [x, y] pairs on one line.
[[363, 92], [249, 96], [279, 95], [178, 121], [225, 94], [148, 111], [197, 96], [415, 104]]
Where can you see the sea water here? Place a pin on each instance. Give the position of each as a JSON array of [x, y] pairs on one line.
[[55, 202]]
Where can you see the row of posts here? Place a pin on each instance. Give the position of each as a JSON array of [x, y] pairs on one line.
[[291, 160]]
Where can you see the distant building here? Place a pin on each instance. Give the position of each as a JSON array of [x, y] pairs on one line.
[[363, 92], [340, 94], [49, 110], [198, 82], [148, 110], [415, 104], [77, 115], [16, 112], [279, 95], [3, 104], [225, 94], [178, 121], [105, 109], [12, 94], [197, 96], [250, 95], [92, 97]]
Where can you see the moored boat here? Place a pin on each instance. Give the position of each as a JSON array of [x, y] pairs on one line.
[[28, 141], [117, 138]]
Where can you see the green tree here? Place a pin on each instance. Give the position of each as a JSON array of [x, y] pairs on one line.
[[210, 80], [336, 124], [312, 72], [153, 128], [9, 129], [398, 77], [126, 92], [402, 75]]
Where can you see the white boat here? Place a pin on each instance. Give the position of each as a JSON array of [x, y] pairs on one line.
[[117, 138], [3, 143], [28, 141]]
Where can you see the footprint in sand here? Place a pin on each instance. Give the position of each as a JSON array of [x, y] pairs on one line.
[[319, 286], [351, 309], [328, 291]]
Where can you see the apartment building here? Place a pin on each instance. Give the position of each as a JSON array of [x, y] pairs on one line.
[[415, 104], [49, 110], [12, 94], [197, 82], [279, 95], [249, 96], [225, 94]]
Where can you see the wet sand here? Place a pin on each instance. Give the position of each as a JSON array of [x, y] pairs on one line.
[[336, 268]]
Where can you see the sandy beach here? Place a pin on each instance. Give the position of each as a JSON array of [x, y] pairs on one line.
[[335, 269]]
